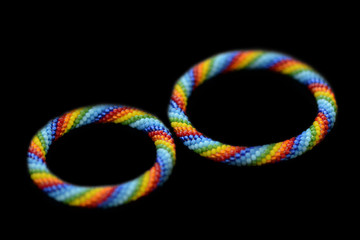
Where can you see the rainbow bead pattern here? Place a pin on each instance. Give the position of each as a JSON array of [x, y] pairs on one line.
[[104, 196], [257, 155]]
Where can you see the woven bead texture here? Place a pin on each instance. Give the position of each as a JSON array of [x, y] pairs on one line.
[[257, 155], [101, 196]]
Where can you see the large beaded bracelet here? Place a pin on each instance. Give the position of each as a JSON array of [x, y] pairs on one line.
[[257, 155], [101, 196]]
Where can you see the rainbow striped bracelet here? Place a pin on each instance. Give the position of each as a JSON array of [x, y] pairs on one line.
[[104, 196], [257, 155]]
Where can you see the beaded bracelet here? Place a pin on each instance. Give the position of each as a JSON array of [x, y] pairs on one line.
[[258, 155], [104, 196]]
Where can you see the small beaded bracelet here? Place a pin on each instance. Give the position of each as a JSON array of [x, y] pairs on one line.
[[103, 196], [257, 155]]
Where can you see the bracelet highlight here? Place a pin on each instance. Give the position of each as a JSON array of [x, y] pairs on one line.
[[101, 196], [257, 155]]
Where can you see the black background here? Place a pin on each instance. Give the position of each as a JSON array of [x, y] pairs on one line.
[[80, 63]]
